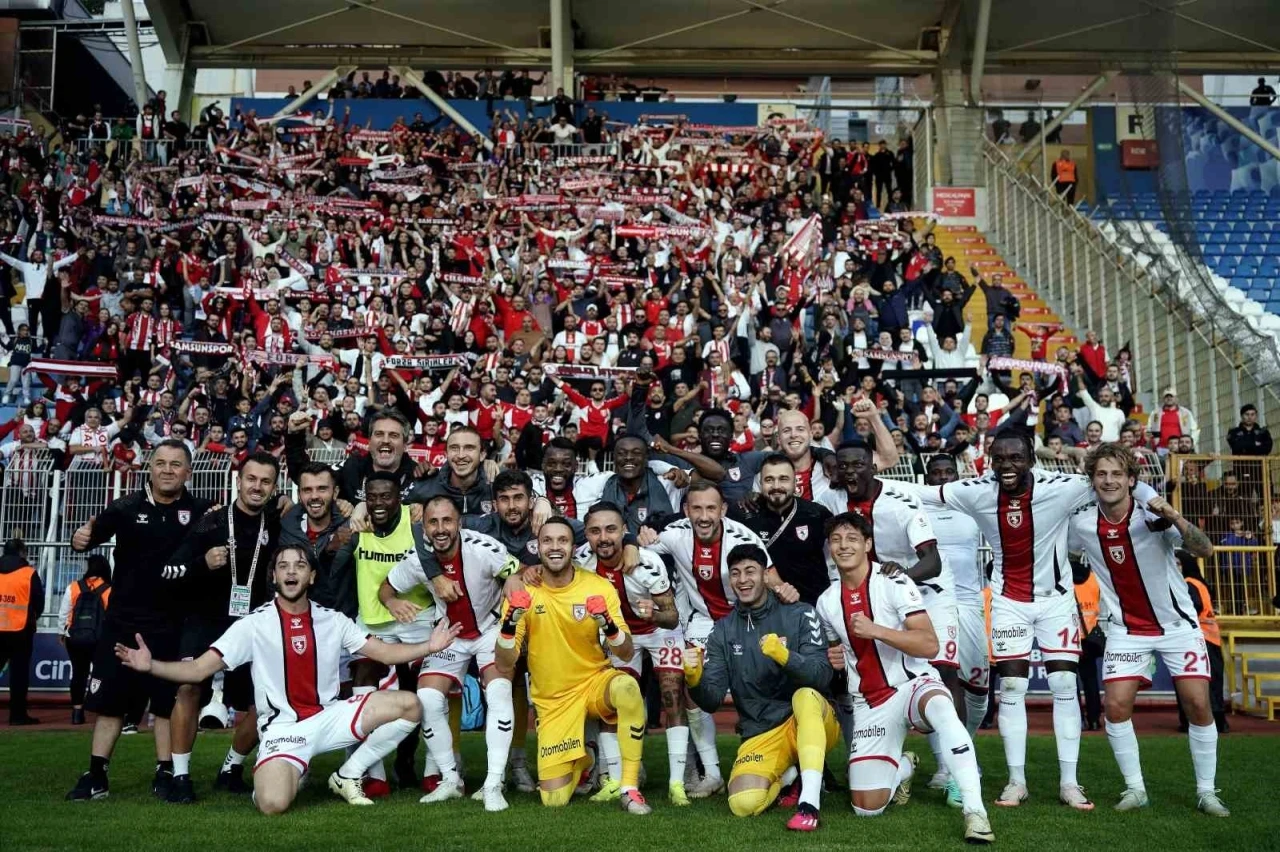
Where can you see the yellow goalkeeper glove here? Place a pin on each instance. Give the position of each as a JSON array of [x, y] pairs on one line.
[[775, 649], [692, 663]]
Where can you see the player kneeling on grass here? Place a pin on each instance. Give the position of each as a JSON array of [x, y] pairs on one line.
[[293, 647], [560, 623], [772, 657], [881, 635]]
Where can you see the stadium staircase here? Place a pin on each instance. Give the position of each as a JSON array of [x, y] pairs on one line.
[[970, 248], [1252, 657]]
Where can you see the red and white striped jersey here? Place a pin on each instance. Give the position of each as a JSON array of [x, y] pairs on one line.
[[702, 569], [648, 579], [479, 567], [294, 658], [167, 331], [1027, 532], [100, 437], [585, 492], [875, 669], [1141, 585], [140, 330]]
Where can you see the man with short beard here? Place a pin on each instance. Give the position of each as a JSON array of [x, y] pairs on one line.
[[222, 561], [311, 523], [790, 525], [388, 437]]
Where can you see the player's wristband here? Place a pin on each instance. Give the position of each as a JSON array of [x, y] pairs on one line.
[[616, 638], [505, 641], [610, 630]]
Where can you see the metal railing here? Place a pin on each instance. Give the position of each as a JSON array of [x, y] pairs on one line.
[[1233, 499], [1091, 284]]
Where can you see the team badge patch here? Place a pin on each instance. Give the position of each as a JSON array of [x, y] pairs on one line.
[[532, 546], [579, 612], [486, 506], [735, 473], [802, 533], [1116, 553], [264, 538], [642, 512], [184, 516], [94, 684], [299, 644], [706, 572], [1014, 519]]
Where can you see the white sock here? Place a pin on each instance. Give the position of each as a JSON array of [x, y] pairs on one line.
[[436, 733], [905, 771], [702, 729], [429, 765], [1066, 725], [376, 746], [1124, 745], [789, 775], [1013, 726], [935, 746], [677, 752], [233, 758], [499, 728], [975, 708], [182, 763], [377, 771], [956, 750], [811, 787], [1204, 755], [611, 755]]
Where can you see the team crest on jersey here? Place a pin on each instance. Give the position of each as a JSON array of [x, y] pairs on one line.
[[802, 533], [94, 684], [951, 631], [486, 506], [642, 512], [299, 644], [579, 612], [532, 546], [184, 516], [1116, 553], [1014, 519], [706, 572], [735, 473]]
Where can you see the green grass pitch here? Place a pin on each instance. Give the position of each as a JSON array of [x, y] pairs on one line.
[[37, 769]]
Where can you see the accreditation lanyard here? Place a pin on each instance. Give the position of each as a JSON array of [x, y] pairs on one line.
[[241, 594], [786, 522]]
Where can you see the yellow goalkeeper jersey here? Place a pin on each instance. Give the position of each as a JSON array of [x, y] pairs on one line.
[[563, 641]]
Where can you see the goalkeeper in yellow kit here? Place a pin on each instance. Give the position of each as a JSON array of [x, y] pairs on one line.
[[560, 624]]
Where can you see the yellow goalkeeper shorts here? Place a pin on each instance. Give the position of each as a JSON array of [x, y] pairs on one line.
[[561, 723], [770, 754]]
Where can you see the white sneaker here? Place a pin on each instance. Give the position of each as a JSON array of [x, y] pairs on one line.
[[521, 778], [1132, 800], [1073, 797], [633, 803], [1013, 795], [1210, 804], [448, 788], [707, 787], [977, 829], [939, 780], [351, 790], [493, 799]]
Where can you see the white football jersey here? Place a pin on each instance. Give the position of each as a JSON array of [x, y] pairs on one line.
[[1027, 532], [649, 579], [479, 567], [1139, 579], [293, 658], [702, 570], [958, 540], [584, 494], [899, 527], [874, 668]]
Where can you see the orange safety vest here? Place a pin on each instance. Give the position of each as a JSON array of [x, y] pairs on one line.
[[15, 599], [1066, 171], [73, 592], [1088, 596], [1208, 621]]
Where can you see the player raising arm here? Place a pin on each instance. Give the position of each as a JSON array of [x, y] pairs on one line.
[[294, 647], [1131, 550], [881, 635], [560, 623], [770, 655]]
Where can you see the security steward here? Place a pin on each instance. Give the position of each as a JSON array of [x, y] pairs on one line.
[[21, 603]]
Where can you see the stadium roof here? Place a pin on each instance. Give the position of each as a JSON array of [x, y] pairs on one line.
[[828, 37]]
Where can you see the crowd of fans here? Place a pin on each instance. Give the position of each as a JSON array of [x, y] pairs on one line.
[[276, 266]]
